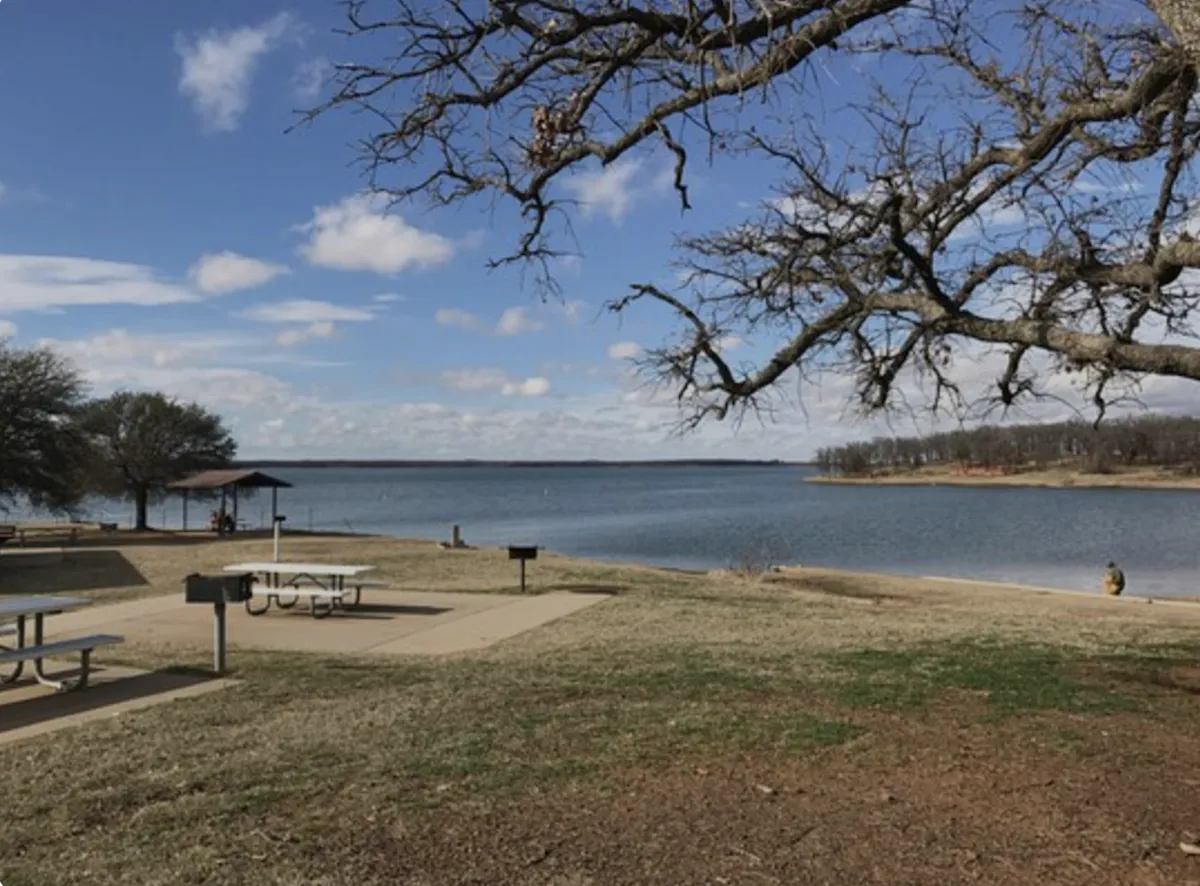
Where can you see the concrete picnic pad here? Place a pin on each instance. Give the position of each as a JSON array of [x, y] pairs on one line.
[[385, 622]]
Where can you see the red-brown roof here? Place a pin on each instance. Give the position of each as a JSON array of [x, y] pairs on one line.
[[220, 479]]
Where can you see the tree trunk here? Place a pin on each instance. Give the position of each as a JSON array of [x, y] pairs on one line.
[[141, 499], [1182, 19]]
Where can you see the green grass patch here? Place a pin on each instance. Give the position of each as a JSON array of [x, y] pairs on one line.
[[304, 740], [1011, 678]]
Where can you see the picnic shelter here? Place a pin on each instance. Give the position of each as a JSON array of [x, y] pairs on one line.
[[228, 482]]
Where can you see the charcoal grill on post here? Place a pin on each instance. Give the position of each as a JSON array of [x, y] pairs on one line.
[[218, 590], [522, 553]]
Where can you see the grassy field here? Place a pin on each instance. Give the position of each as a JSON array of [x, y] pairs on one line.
[[807, 726]]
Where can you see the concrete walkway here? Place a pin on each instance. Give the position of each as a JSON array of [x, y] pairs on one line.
[[386, 622]]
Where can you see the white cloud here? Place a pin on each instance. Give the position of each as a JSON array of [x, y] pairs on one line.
[[26, 194], [489, 379], [729, 343], [475, 379], [1094, 184], [311, 77], [515, 321], [47, 282], [571, 264], [304, 311], [356, 234], [273, 416], [456, 317], [579, 370], [119, 347], [201, 367], [222, 272], [993, 217], [570, 310], [218, 67], [321, 329], [608, 190], [387, 298], [530, 387], [8, 329], [624, 350]]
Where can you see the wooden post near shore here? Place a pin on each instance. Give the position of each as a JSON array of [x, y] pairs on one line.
[[456, 536]]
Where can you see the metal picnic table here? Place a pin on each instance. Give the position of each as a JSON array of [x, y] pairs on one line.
[[19, 609], [285, 583]]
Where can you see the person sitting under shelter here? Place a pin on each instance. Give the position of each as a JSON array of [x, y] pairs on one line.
[[221, 523]]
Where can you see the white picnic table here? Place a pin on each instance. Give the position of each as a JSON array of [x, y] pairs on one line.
[[19, 610], [324, 584]]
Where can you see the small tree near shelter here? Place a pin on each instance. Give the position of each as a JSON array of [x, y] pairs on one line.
[[144, 441]]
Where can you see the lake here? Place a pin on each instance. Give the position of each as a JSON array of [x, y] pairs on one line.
[[715, 517]]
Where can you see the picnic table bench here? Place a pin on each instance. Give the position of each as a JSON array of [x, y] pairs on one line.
[[70, 534], [323, 584], [23, 534], [19, 609]]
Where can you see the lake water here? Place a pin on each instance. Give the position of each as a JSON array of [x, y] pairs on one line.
[[713, 517]]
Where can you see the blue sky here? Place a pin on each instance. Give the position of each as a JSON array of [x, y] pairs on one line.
[[160, 228]]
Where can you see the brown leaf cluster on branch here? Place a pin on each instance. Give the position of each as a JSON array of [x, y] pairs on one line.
[[553, 128], [1016, 176]]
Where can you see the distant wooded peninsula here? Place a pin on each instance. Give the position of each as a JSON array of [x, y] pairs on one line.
[[1145, 441]]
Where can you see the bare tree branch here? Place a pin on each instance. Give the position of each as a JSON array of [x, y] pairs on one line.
[[1019, 179]]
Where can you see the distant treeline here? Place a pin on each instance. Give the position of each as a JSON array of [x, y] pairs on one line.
[[1150, 441], [475, 463]]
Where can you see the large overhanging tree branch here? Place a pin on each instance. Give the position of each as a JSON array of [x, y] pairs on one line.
[[1018, 174]]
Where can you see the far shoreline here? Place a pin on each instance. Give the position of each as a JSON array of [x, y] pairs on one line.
[[1149, 479], [251, 464]]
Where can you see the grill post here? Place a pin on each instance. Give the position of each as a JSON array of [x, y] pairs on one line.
[[219, 638], [522, 553]]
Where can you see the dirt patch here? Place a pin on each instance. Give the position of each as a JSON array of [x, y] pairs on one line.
[[941, 801], [1185, 678], [842, 586]]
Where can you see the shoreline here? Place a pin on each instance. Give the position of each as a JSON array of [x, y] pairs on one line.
[[1027, 480], [124, 539], [975, 584]]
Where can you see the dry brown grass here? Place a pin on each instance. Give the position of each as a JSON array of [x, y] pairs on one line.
[[127, 564], [265, 783]]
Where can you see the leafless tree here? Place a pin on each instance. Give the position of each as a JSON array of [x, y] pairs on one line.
[[1018, 179]]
